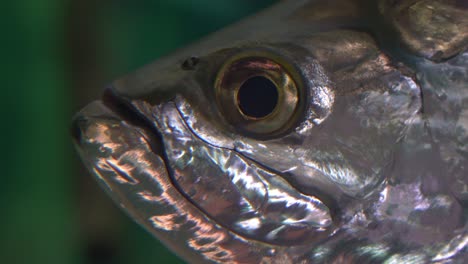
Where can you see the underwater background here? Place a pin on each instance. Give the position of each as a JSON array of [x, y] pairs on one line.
[[56, 57]]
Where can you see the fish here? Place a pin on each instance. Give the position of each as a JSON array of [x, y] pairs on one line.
[[312, 132]]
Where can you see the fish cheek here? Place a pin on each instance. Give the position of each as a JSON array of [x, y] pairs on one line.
[[367, 123], [234, 191]]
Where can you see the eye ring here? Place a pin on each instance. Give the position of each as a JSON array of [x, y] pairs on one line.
[[258, 93]]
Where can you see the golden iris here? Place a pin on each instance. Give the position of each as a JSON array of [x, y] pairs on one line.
[[257, 94]]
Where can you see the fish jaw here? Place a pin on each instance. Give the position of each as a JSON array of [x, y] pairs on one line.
[[137, 166], [120, 157]]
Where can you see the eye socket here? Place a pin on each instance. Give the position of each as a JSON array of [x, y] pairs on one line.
[[257, 94]]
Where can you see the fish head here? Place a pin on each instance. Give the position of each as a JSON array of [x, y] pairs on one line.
[[263, 141]]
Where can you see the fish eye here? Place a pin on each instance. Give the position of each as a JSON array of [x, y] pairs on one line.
[[257, 97], [258, 94]]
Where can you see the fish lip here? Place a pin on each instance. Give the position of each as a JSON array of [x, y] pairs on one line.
[[126, 111], [113, 109], [113, 106]]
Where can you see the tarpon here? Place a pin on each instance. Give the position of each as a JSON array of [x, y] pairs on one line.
[[313, 132]]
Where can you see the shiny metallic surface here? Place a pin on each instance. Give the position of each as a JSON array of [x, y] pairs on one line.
[[370, 164]]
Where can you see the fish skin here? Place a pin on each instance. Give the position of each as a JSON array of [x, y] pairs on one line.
[[373, 168]]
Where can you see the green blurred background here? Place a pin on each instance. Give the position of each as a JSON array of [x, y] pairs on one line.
[[57, 55]]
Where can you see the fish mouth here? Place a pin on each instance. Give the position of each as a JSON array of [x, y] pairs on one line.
[[128, 163], [132, 151]]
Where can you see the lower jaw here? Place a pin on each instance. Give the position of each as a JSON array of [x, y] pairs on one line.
[[128, 164]]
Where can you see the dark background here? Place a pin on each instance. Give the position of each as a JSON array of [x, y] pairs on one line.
[[56, 57]]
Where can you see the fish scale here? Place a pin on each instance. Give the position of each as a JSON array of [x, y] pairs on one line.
[[362, 159]]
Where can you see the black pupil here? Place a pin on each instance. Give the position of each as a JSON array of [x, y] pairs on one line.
[[257, 97]]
